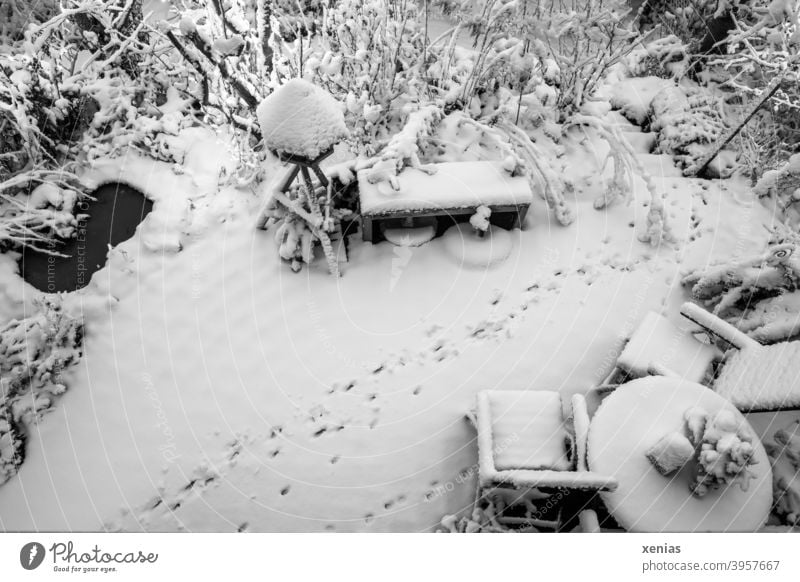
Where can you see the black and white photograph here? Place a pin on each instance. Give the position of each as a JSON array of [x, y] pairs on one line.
[[398, 266]]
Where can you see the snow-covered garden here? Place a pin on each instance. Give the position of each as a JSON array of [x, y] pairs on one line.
[[339, 222]]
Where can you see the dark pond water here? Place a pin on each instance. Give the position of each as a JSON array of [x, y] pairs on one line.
[[113, 218]]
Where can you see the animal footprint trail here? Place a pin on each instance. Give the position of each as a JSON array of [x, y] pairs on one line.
[[443, 345], [169, 502], [395, 503]]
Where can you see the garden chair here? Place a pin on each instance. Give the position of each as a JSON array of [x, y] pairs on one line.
[[754, 377], [527, 449], [658, 347]]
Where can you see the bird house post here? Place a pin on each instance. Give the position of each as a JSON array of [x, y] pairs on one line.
[[301, 124]]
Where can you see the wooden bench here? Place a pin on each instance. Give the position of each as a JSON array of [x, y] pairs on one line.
[[455, 189]]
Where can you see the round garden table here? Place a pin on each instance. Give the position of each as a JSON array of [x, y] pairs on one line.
[[630, 421]]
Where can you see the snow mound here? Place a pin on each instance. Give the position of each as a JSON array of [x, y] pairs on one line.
[[410, 237], [633, 97], [464, 245], [301, 119]]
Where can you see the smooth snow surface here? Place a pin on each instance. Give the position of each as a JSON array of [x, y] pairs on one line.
[[300, 118], [468, 249], [631, 420]]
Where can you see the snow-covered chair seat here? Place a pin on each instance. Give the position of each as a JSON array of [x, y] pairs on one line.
[[658, 347], [524, 442], [762, 379], [754, 377], [452, 189]]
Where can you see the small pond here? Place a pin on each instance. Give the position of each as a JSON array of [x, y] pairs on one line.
[[112, 218]]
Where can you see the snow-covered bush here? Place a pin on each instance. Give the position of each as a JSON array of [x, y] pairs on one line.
[[39, 120], [36, 207], [686, 20], [481, 520], [566, 46], [34, 354], [553, 186], [689, 122], [12, 446], [785, 457], [760, 296], [32, 112], [665, 57], [762, 56], [506, 510], [302, 219], [404, 148], [87, 83], [725, 453], [369, 55], [782, 186], [585, 40], [16, 15], [626, 167], [536, 64], [225, 47], [480, 220], [767, 141]]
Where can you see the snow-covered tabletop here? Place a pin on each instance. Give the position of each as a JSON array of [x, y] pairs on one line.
[[629, 422], [454, 185], [762, 378], [301, 119]]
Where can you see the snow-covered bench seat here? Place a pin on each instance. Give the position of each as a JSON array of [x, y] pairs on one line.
[[524, 442], [753, 377], [455, 188], [762, 379]]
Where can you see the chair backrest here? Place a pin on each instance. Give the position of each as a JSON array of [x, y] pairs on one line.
[[718, 327]]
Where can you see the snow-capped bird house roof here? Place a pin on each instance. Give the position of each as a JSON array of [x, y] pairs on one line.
[[301, 119]]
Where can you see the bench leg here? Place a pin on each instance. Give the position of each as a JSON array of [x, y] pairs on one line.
[[519, 221], [366, 229]]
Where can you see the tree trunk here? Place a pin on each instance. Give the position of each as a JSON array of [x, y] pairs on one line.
[[264, 11]]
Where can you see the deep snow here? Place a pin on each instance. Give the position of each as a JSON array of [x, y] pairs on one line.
[[219, 391]]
